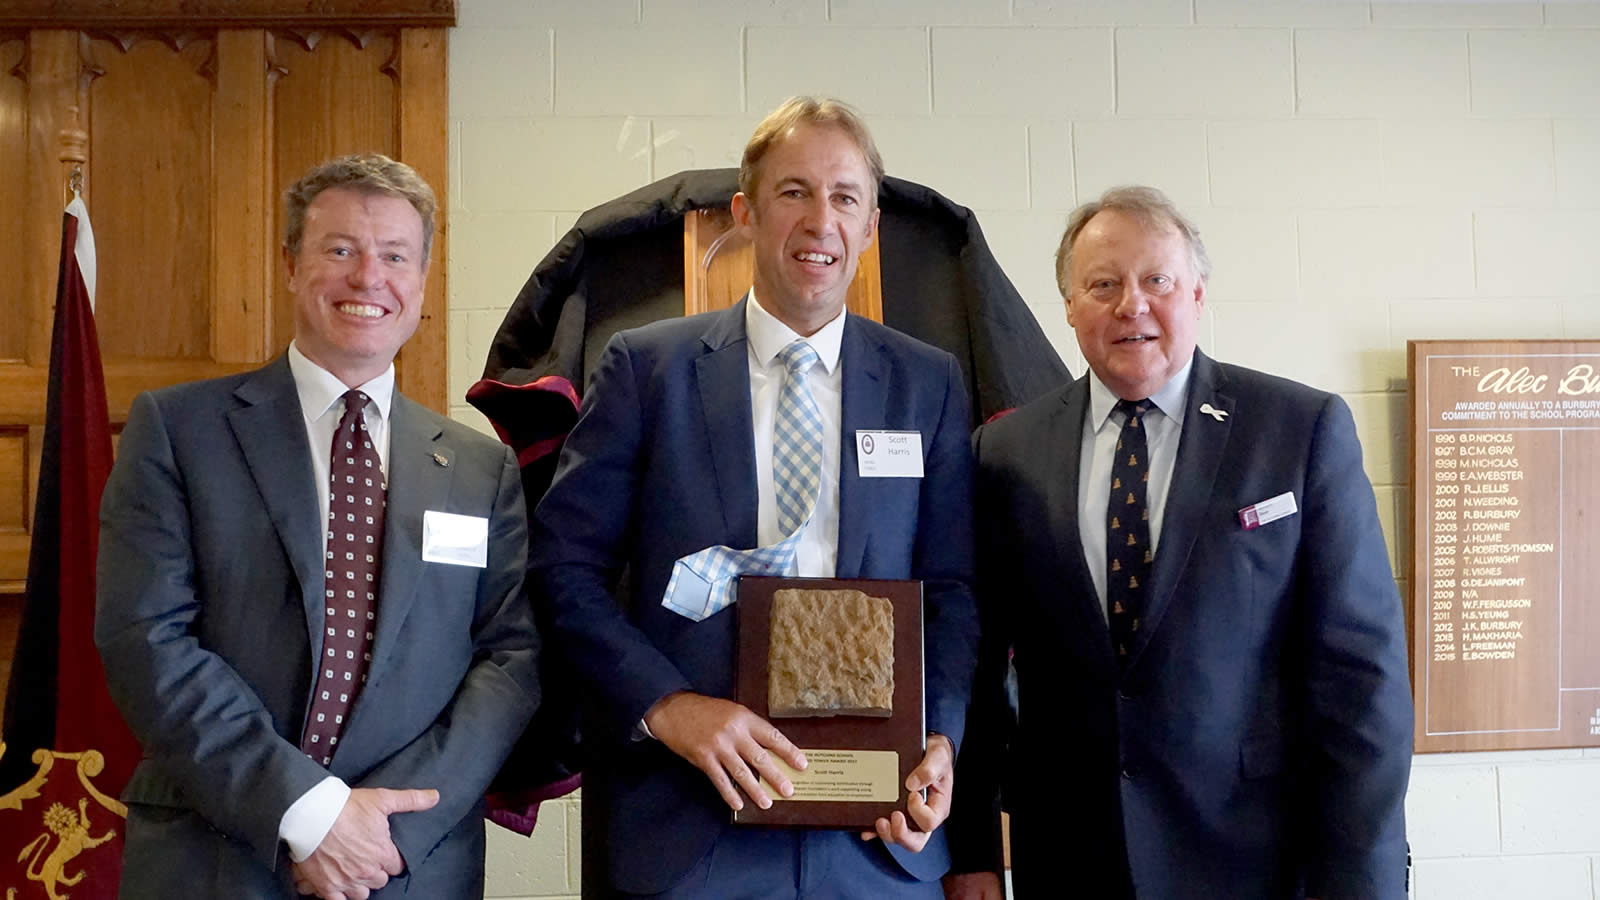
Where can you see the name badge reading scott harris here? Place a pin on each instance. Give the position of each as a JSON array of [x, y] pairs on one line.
[[889, 454], [1270, 510], [455, 540]]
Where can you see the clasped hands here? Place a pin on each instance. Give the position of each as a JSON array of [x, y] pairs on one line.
[[737, 749], [357, 857]]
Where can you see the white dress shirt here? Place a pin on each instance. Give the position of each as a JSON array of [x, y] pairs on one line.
[[1101, 427], [307, 821], [818, 550]]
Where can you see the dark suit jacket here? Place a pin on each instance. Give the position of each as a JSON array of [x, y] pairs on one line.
[[1258, 743], [210, 617], [661, 464]]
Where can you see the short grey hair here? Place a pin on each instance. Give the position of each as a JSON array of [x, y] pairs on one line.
[[1150, 206]]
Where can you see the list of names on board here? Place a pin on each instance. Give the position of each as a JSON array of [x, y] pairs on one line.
[[1506, 587]]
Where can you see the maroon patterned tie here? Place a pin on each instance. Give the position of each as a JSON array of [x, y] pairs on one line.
[[353, 562]]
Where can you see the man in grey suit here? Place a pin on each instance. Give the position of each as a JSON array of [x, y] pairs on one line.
[[311, 605]]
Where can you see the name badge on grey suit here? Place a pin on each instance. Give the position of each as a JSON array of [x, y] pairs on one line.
[[455, 540]]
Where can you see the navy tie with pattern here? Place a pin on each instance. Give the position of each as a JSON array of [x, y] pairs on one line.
[[353, 561], [1129, 553]]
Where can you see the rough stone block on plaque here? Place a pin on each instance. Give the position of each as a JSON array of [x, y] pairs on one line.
[[831, 653]]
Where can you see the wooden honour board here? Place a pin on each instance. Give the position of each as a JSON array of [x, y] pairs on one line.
[[1505, 568]]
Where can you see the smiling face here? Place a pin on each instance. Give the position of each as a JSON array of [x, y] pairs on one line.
[[813, 212], [357, 282], [1134, 301]]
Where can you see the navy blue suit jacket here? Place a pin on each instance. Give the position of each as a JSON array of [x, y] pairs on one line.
[[1258, 742], [661, 464]]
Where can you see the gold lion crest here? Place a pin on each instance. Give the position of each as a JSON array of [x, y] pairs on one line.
[[67, 833]]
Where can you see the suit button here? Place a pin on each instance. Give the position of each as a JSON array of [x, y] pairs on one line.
[[1127, 772], [1124, 696]]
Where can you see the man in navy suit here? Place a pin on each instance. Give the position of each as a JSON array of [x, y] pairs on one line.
[[1182, 559], [673, 454]]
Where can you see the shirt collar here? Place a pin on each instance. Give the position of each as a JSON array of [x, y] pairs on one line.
[[768, 336], [320, 389], [1170, 399]]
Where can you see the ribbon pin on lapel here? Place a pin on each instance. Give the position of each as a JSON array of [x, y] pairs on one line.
[[441, 459], [1213, 412]]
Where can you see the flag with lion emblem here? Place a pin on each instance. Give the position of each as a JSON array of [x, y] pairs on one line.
[[66, 753]]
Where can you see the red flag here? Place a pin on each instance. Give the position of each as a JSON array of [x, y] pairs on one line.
[[67, 753]]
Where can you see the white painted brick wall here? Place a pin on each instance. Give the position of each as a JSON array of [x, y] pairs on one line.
[[1100, 12], [943, 152], [1572, 12], [1365, 72], [1389, 253], [1051, 167], [1364, 173], [1291, 163], [1472, 13], [1468, 163], [1304, 13], [1207, 71], [999, 71], [839, 61], [1578, 161], [1534, 73], [671, 71], [1167, 152]]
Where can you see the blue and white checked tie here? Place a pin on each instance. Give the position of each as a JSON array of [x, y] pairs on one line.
[[796, 441], [702, 583]]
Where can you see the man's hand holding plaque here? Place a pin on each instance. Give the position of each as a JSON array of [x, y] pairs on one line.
[[728, 742], [936, 775]]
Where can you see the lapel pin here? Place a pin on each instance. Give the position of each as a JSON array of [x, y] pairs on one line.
[[1213, 412], [442, 460]]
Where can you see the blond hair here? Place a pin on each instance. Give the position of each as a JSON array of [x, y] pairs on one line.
[[798, 111], [365, 173]]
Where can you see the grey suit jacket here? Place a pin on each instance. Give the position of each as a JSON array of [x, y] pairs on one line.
[[209, 621]]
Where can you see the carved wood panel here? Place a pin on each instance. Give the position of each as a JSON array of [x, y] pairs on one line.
[[13, 158], [151, 100]]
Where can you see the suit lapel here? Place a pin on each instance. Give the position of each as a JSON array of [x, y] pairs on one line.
[[270, 429], [1066, 432], [417, 482], [864, 405], [1194, 475], [723, 378]]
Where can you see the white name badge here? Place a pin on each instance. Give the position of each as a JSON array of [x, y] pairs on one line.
[[455, 540], [889, 454], [1269, 510]]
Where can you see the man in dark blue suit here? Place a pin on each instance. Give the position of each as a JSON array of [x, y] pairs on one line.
[[1183, 560], [681, 448]]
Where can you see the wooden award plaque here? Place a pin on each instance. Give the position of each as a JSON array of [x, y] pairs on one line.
[[858, 760], [1505, 477]]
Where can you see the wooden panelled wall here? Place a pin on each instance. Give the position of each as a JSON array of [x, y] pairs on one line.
[[187, 126]]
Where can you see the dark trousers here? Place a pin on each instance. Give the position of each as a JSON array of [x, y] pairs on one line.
[[795, 864]]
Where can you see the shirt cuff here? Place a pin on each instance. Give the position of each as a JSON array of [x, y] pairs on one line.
[[309, 819]]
